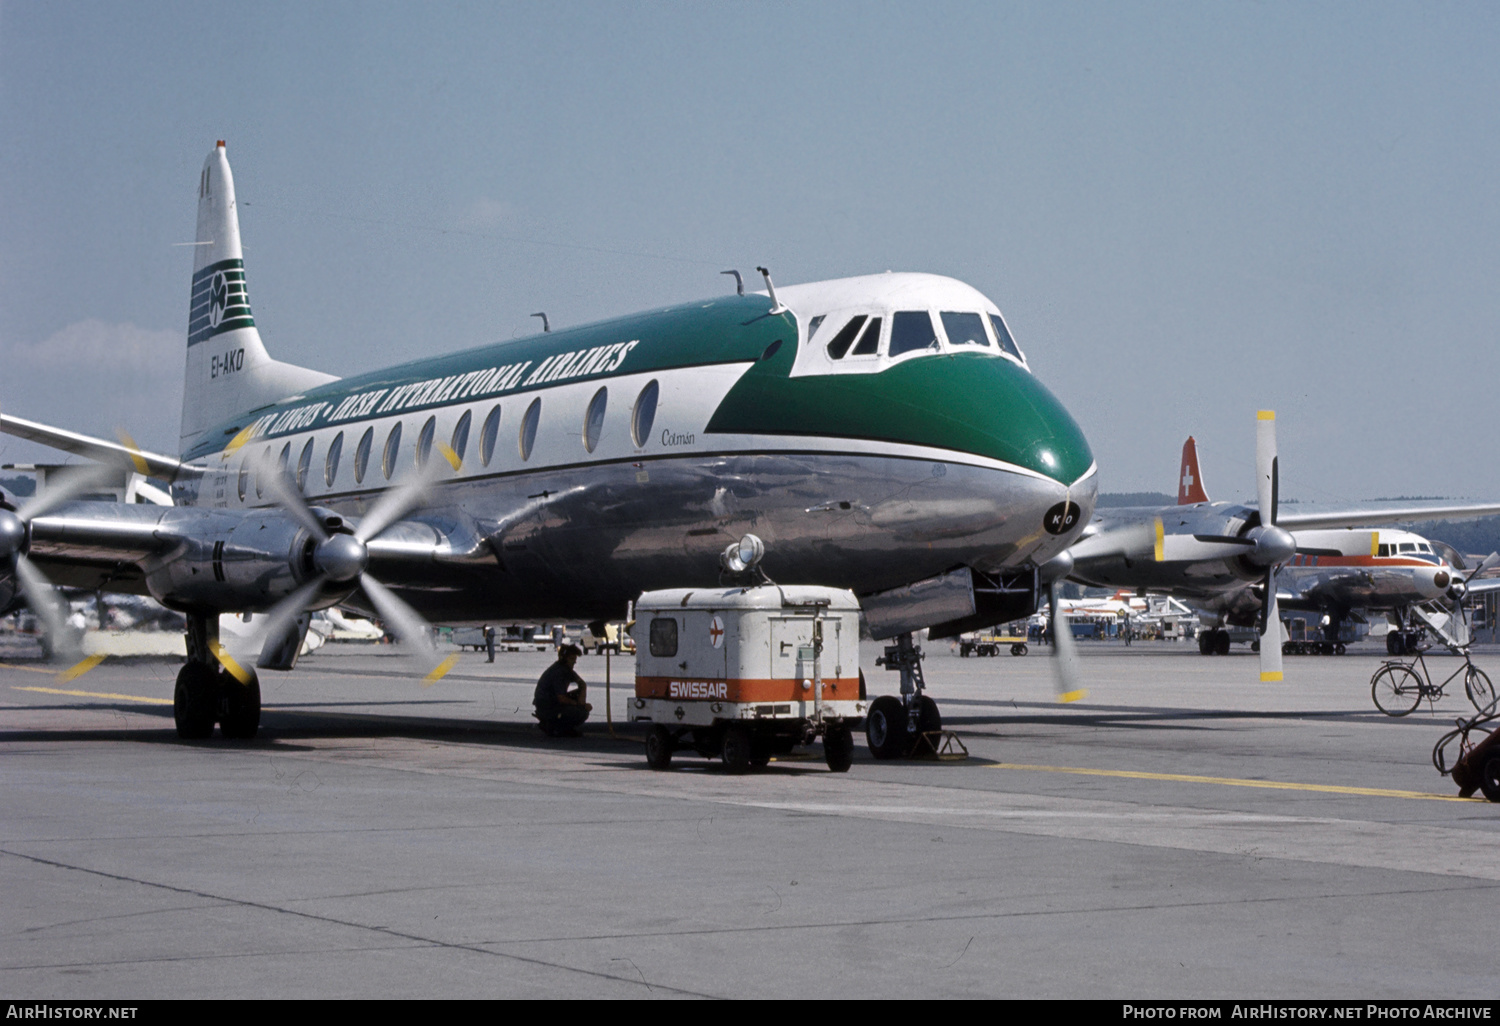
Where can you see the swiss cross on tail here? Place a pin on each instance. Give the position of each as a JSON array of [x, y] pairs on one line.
[[1190, 482]]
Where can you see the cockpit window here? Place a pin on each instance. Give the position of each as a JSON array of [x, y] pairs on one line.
[[912, 330], [965, 329], [813, 326], [1006, 342], [1408, 547], [869, 342], [844, 339]]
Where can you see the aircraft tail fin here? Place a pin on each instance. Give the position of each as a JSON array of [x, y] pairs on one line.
[[1189, 481], [228, 368]]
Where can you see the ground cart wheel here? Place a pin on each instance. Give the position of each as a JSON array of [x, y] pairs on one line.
[[838, 748], [761, 749], [659, 748], [1478, 687], [1396, 689], [1018, 649], [885, 728], [736, 750], [1489, 778]]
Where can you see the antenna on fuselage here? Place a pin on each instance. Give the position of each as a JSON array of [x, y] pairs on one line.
[[776, 306], [739, 283], [545, 325]]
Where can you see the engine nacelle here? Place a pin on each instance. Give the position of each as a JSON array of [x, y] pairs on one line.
[[240, 563]]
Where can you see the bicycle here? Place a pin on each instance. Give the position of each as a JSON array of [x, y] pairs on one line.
[[1398, 688]]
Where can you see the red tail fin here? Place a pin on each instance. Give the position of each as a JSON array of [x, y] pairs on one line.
[[1190, 482]]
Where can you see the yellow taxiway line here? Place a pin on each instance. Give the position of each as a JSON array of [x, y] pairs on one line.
[[95, 694], [1274, 785]]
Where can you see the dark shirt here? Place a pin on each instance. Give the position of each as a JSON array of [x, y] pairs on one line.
[[554, 684]]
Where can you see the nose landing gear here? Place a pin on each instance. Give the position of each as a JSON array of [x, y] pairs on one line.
[[896, 728]]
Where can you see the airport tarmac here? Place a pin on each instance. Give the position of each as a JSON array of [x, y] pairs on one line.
[[1185, 831]]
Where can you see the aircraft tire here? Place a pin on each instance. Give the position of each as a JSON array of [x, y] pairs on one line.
[[1221, 643], [838, 748], [1489, 778], [736, 749], [929, 718], [195, 701], [1393, 644], [885, 728], [241, 717], [659, 748], [1205, 642]]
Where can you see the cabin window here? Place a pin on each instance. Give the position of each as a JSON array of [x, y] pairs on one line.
[[644, 414], [285, 459], [844, 339], [911, 331], [965, 329], [813, 326], [331, 465], [869, 342], [304, 464], [487, 435], [261, 467], [362, 454], [460, 441], [593, 419], [1002, 335], [527, 437], [392, 450], [424, 441], [664, 637], [244, 484]]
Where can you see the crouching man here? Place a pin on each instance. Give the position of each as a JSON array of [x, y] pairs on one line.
[[561, 697]]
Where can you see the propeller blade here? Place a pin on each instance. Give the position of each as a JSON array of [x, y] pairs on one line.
[[409, 626], [280, 618], [63, 488], [1485, 564], [49, 608], [1270, 632], [1064, 650], [1266, 483], [285, 492], [403, 498]]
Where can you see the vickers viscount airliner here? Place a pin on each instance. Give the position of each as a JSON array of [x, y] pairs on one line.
[[880, 433]]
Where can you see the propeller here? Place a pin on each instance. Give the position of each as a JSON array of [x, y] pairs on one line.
[[15, 541], [1066, 679], [1273, 545], [341, 558]]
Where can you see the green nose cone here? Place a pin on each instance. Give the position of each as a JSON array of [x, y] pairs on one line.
[[967, 402]]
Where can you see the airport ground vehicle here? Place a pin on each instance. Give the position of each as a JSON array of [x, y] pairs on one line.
[[744, 673], [1399, 687], [1478, 764], [990, 642]]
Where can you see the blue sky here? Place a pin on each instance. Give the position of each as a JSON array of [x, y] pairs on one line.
[[1188, 212]]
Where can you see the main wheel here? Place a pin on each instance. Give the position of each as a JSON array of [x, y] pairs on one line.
[[1394, 645], [1205, 642], [1489, 778], [1221, 643], [1396, 689], [195, 701], [838, 748], [885, 728], [241, 716], [659, 748], [736, 750], [1478, 687]]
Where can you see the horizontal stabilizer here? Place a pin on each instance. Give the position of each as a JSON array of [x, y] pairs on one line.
[[150, 463]]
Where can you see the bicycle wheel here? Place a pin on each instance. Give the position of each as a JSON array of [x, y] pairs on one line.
[[1478, 687], [1396, 689]]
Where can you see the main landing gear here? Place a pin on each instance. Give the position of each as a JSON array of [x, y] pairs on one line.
[[206, 693], [893, 726], [1213, 642]]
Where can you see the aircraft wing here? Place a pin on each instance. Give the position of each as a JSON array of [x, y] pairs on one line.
[[1375, 516], [151, 464]]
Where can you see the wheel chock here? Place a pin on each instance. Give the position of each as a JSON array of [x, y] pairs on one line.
[[940, 746]]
